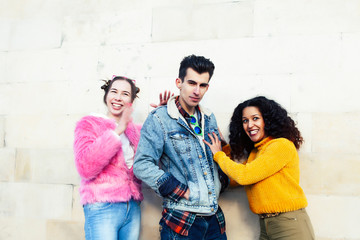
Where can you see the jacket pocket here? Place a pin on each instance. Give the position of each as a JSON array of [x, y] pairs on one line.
[[180, 141]]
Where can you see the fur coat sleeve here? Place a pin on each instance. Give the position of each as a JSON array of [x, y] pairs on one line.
[[95, 145]]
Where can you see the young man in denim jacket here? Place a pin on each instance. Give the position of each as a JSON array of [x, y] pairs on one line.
[[173, 160]]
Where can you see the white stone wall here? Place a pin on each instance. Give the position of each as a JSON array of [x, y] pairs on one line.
[[303, 53]]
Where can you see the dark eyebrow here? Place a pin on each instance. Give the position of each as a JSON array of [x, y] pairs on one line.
[[252, 115], [202, 84]]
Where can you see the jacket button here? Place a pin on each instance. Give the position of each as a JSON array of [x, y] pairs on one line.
[[212, 209], [205, 173], [210, 192], [200, 156]]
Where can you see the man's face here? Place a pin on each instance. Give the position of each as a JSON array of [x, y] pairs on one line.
[[192, 89]]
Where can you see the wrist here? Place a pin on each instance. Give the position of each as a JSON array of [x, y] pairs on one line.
[[120, 129], [217, 156]]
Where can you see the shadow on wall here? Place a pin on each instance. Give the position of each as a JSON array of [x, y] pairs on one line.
[[150, 214], [241, 223]]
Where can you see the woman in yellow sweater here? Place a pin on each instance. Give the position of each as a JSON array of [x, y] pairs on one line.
[[261, 130]]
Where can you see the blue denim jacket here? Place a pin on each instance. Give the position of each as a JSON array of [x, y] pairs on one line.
[[169, 148]]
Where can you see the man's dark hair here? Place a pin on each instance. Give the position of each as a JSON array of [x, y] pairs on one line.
[[199, 64]]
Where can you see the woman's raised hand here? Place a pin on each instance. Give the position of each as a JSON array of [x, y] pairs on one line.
[[163, 100], [124, 119]]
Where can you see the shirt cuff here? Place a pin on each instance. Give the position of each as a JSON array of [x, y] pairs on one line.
[[178, 192], [172, 188]]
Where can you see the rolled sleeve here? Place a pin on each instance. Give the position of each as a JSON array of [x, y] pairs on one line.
[[171, 187]]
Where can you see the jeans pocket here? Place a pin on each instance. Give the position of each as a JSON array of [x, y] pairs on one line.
[[98, 206], [282, 226], [167, 233]]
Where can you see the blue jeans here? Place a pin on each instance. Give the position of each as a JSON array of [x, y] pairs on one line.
[[112, 221], [203, 228]]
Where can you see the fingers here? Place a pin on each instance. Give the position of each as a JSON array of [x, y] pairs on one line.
[[128, 106], [207, 143], [127, 110], [163, 97], [211, 138], [168, 95], [215, 145], [214, 138]]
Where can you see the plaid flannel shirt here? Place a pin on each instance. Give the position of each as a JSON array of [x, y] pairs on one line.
[[181, 221]]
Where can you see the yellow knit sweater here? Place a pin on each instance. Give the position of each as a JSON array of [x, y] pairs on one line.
[[270, 175]]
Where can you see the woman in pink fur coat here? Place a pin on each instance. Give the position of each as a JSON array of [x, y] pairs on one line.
[[104, 149]]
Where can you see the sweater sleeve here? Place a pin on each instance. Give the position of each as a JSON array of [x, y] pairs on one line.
[[273, 158], [93, 151]]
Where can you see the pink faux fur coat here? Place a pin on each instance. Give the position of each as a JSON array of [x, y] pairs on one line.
[[100, 161]]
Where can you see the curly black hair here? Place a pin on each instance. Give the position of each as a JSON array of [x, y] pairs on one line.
[[277, 125]]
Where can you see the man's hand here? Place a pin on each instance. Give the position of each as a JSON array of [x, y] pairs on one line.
[[187, 194]]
